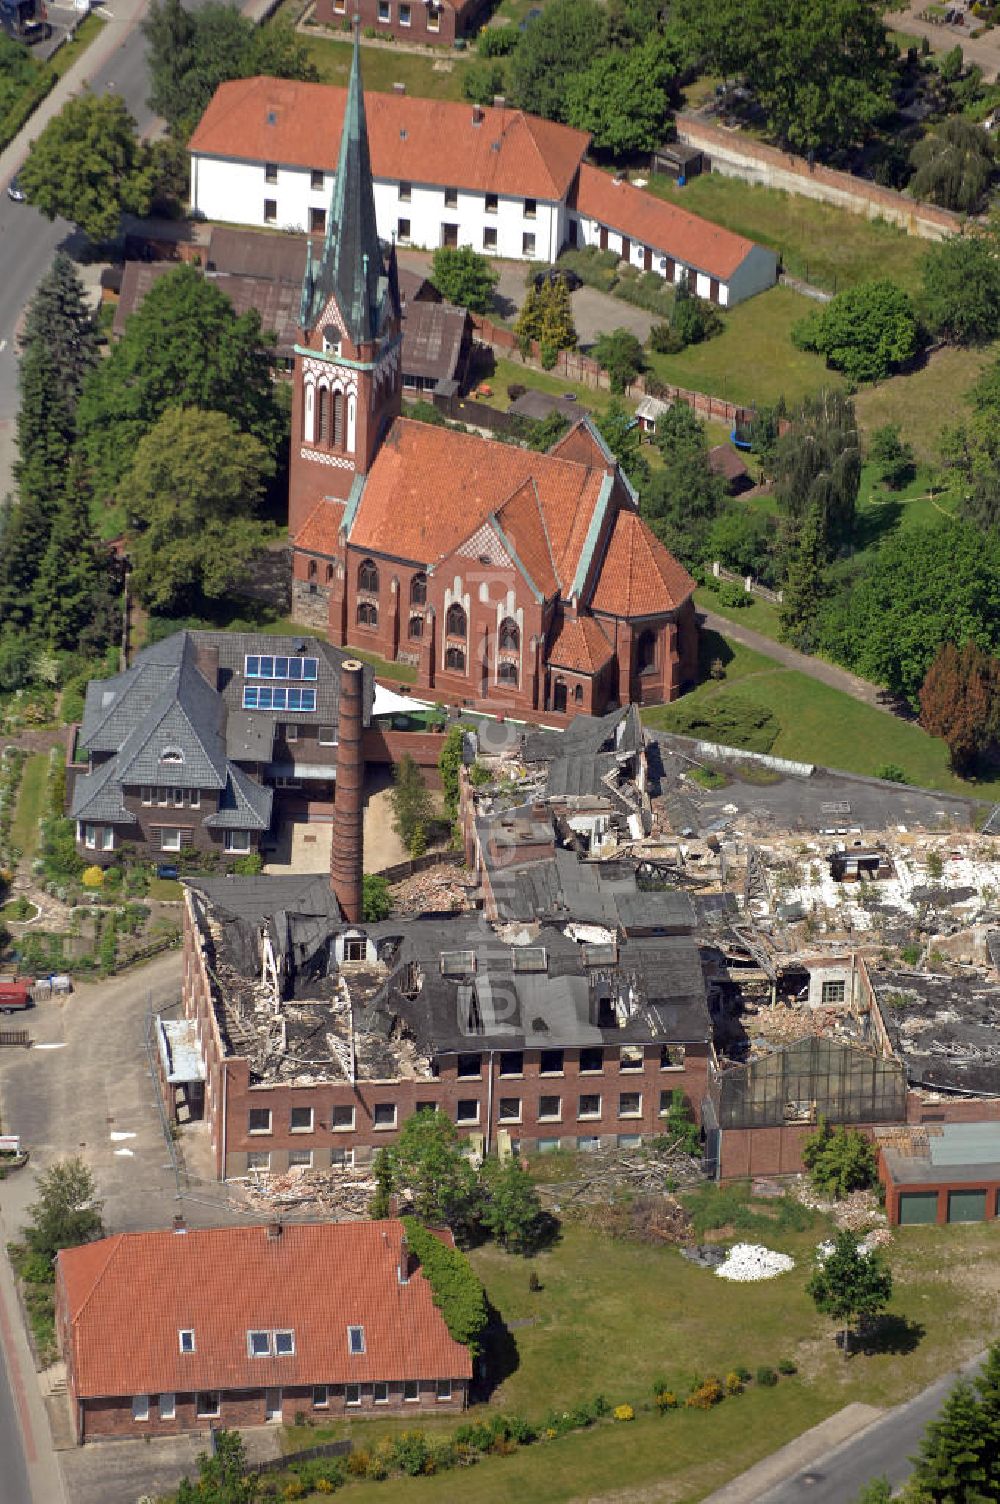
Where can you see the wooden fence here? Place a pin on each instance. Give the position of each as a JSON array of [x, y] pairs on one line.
[[747, 583], [418, 864]]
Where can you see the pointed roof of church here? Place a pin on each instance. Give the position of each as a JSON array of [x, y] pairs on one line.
[[351, 267]]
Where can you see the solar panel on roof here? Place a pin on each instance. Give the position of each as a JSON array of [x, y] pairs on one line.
[[457, 963], [600, 955], [530, 958]]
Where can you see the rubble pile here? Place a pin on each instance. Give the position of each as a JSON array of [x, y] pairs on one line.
[[857, 1212], [747, 1262], [443, 889], [338, 1195], [651, 1172], [639, 1219]]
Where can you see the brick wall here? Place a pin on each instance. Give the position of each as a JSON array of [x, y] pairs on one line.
[[384, 746], [747, 1152]]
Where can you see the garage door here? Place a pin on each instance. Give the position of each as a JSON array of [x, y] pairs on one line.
[[966, 1206], [916, 1207]]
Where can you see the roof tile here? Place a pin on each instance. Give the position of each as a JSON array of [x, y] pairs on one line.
[[580, 645], [320, 533], [638, 576]]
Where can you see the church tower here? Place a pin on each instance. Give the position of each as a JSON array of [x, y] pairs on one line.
[[347, 379]]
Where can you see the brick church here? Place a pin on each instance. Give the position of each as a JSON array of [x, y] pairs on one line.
[[513, 581]]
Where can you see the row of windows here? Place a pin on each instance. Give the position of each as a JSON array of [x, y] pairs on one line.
[[208, 1403], [266, 666], [179, 798], [300, 1159], [449, 236], [491, 201], [257, 697], [432, 13], [592, 1060]]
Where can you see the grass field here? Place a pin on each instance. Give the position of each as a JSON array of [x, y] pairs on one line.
[[30, 802], [819, 243], [927, 400], [759, 616], [426, 75], [753, 359], [820, 724], [612, 1316]]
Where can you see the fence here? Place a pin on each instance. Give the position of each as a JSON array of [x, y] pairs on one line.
[[13, 1038], [747, 583], [310, 1454], [417, 864]]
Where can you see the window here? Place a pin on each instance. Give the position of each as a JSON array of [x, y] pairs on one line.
[[456, 623], [467, 1110], [454, 658], [578, 694], [172, 754], [510, 1110], [590, 1106], [316, 181], [630, 1057], [278, 699], [433, 18], [270, 211], [270, 172], [512, 1062], [469, 1066], [259, 1120], [404, 15], [645, 652], [185, 1339], [317, 221], [384, 10], [321, 1396], [352, 1394], [630, 1104], [527, 244], [507, 674], [381, 1389], [328, 736], [589, 1144], [411, 1391], [337, 436], [168, 1406], [342, 1159], [237, 840], [259, 1159], [550, 1063], [418, 590], [300, 1159], [343, 1119], [259, 1344], [284, 1344], [402, 229], [591, 1061], [405, 193], [549, 1108], [415, 628], [451, 198], [490, 238], [302, 1120], [385, 1115], [206, 1405], [271, 666], [367, 614], [672, 1057], [140, 1407], [291, 731], [355, 947], [530, 208], [368, 576], [328, 578], [170, 840], [492, 203], [509, 636], [355, 1340], [834, 992], [444, 1389]]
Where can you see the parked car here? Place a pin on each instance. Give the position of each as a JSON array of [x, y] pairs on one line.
[[15, 191], [558, 274]]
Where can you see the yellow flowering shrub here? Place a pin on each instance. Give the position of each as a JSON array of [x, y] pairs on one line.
[[93, 877], [623, 1412]]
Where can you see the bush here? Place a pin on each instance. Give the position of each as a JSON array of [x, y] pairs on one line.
[[646, 290], [734, 596], [456, 1291], [620, 354], [733, 720], [594, 267], [839, 1160], [693, 319], [707, 1394], [410, 1453], [766, 1377], [623, 1412], [891, 772], [786, 1366], [665, 1400], [665, 340], [742, 1373], [93, 877], [497, 41], [734, 1384]]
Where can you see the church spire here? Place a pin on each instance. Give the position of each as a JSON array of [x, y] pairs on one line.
[[351, 268]]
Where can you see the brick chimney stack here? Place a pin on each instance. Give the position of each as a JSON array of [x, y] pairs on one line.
[[347, 854]]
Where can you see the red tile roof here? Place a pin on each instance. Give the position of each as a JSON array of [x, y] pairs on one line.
[[580, 645], [651, 221], [724, 460], [430, 488], [129, 1296], [320, 533], [523, 526], [638, 576], [416, 140]]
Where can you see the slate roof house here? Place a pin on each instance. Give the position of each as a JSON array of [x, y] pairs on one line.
[[511, 580], [188, 746], [183, 1330]]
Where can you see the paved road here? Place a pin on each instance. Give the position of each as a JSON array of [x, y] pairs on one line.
[[14, 1487]]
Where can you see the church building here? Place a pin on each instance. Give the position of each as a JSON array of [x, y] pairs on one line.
[[514, 582]]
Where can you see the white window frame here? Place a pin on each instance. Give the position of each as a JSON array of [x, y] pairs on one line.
[[383, 1398], [464, 1121], [550, 1117], [411, 1399], [261, 1158], [309, 1127], [140, 1407], [270, 1121], [266, 1351], [406, 13], [210, 1411], [167, 842], [276, 1338], [443, 1389], [386, 18], [300, 1159], [631, 1112], [183, 1332], [328, 736], [336, 1127], [634, 1065], [356, 1351], [230, 842], [503, 1117], [324, 1390], [384, 1127], [346, 1162], [352, 1394], [167, 1406], [291, 731], [586, 1117]]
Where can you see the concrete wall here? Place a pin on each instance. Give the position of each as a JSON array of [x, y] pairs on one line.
[[737, 155]]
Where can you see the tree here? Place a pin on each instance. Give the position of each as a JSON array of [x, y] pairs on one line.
[[692, 319], [88, 166], [621, 432], [743, 541], [185, 346], [620, 354], [893, 456], [450, 761], [878, 1491], [427, 1163], [560, 42], [817, 467], [223, 1476], [961, 289], [805, 584], [190, 53], [464, 277], [839, 1160], [972, 450], [190, 493], [954, 165], [623, 98], [954, 1457], [67, 1211], [547, 317], [850, 1286], [682, 497], [411, 805], [376, 899], [958, 702], [866, 332], [512, 1212], [74, 600]]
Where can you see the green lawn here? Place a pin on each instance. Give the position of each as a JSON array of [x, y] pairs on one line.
[[403, 673], [820, 724], [759, 616], [753, 359], [612, 1316], [927, 400], [817, 242], [881, 512], [508, 372], [30, 804], [423, 74]]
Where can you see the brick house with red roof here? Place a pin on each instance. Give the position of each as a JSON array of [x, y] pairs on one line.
[[512, 581], [434, 23], [164, 1332]]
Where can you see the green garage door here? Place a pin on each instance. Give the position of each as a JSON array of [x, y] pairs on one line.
[[916, 1207], [966, 1206]]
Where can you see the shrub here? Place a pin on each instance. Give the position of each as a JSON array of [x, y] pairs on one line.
[[93, 877], [623, 1412], [734, 1384], [742, 1373], [664, 339], [786, 1366], [766, 1377], [666, 1400], [497, 41], [839, 1160], [708, 1393], [410, 1453], [734, 596], [357, 1463], [734, 721], [456, 1291]]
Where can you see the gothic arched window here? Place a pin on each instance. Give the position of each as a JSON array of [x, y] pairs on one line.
[[367, 614], [509, 636], [418, 590], [454, 658], [368, 576], [455, 622]]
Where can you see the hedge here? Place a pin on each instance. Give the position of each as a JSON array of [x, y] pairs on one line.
[[457, 1292]]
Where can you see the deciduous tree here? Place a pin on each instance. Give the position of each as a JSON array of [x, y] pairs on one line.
[[511, 1211], [89, 166], [623, 98], [817, 467], [621, 355], [954, 165], [850, 1286], [958, 702], [839, 1160], [683, 497], [426, 1162], [376, 899], [562, 41], [621, 432], [893, 456], [961, 289], [464, 277], [67, 1211], [547, 317], [411, 806], [866, 332]]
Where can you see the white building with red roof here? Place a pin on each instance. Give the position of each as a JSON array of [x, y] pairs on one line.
[[505, 183]]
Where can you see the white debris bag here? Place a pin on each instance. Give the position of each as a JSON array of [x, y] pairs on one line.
[[751, 1261]]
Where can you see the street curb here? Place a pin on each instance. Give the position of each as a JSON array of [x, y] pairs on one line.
[[845, 1425]]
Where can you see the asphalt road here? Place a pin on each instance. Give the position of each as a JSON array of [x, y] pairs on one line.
[[883, 1450], [14, 1487]]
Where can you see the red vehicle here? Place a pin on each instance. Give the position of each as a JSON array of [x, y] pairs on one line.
[[15, 994]]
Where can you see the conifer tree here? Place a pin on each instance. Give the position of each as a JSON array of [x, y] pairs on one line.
[[805, 585], [73, 599], [953, 1459]]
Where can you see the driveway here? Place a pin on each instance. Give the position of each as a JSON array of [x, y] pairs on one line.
[[596, 312], [119, 1472]]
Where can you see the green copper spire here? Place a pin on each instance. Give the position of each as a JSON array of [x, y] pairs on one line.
[[351, 267]]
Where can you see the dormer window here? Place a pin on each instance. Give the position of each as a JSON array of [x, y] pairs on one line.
[[356, 1341], [331, 340], [185, 1339], [172, 755], [259, 1344]]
